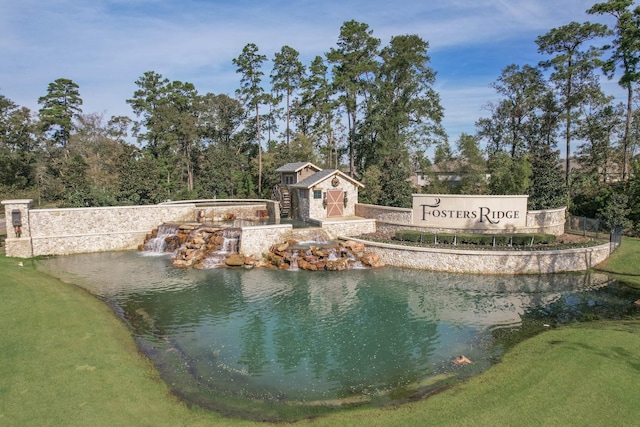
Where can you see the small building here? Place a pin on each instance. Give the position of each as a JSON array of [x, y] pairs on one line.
[[308, 192]]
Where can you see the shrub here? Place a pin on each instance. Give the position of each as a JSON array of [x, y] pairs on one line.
[[518, 239]]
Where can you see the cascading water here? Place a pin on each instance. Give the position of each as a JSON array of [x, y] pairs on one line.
[[294, 261], [164, 240], [231, 241]]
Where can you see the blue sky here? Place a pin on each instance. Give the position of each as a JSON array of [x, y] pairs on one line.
[[106, 45]]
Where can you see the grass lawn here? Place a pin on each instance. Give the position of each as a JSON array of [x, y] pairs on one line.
[[66, 360], [625, 262]]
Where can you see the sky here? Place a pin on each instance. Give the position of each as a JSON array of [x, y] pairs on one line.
[[106, 45]]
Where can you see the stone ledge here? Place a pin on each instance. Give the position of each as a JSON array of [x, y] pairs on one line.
[[487, 262]]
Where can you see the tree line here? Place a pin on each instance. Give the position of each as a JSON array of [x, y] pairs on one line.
[[368, 109]]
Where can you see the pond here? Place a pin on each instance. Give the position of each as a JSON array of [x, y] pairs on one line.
[[257, 343]]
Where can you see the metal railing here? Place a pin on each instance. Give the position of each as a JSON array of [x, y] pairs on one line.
[[590, 227]]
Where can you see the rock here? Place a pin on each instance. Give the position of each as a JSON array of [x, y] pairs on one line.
[[354, 247], [281, 248], [235, 260], [339, 265], [461, 360], [637, 302], [305, 265], [370, 259]]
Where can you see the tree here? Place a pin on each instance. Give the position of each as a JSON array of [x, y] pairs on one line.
[[225, 170], [146, 103], [571, 67], [547, 188], [404, 112], [626, 56], [60, 106], [472, 166], [249, 65], [316, 111], [509, 175], [354, 67], [599, 129], [508, 128], [286, 77], [18, 154], [169, 125]]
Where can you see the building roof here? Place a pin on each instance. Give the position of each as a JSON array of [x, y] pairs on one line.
[[295, 167], [323, 175]]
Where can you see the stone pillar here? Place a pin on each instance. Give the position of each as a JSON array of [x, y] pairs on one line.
[[18, 243]]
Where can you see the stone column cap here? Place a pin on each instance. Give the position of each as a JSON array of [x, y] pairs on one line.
[[17, 202]]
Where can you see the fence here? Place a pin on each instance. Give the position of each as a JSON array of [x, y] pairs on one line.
[[590, 227]]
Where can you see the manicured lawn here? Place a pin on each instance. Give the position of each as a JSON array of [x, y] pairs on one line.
[[625, 262], [66, 360]]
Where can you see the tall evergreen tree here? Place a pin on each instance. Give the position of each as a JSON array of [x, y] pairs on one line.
[[286, 77], [626, 57], [249, 65], [572, 66], [60, 106], [354, 68], [404, 113]]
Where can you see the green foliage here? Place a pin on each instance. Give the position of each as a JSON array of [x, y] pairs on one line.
[[509, 175], [372, 191], [428, 238], [547, 189], [249, 65], [472, 166], [286, 77], [396, 189], [60, 106], [615, 212]]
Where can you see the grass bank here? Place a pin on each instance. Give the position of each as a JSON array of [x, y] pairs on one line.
[[624, 264], [66, 360]]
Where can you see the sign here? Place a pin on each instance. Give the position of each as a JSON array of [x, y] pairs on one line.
[[470, 212]]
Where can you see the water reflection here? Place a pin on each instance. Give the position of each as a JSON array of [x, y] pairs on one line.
[[308, 336]]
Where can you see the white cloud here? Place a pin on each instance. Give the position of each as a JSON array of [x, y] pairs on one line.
[[105, 45]]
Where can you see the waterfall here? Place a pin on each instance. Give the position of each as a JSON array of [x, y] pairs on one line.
[[294, 261], [231, 241], [158, 244]]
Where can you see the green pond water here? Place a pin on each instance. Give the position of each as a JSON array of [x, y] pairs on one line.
[[258, 342]]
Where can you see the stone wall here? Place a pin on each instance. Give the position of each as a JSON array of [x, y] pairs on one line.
[[80, 230], [256, 241], [68, 231], [349, 227], [389, 220], [489, 262], [384, 213]]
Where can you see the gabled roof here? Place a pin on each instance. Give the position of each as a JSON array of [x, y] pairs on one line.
[[323, 175], [295, 167]]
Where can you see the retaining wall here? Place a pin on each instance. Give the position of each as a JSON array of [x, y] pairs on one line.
[[389, 220], [488, 262], [80, 230]]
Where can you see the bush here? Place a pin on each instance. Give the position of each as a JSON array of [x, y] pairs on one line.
[[518, 239]]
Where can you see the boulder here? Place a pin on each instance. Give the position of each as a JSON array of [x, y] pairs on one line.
[[339, 265], [235, 260], [370, 259]]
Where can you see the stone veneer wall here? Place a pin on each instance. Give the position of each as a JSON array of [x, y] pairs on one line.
[[385, 214], [79, 230], [489, 262], [257, 240], [350, 227], [389, 220]]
